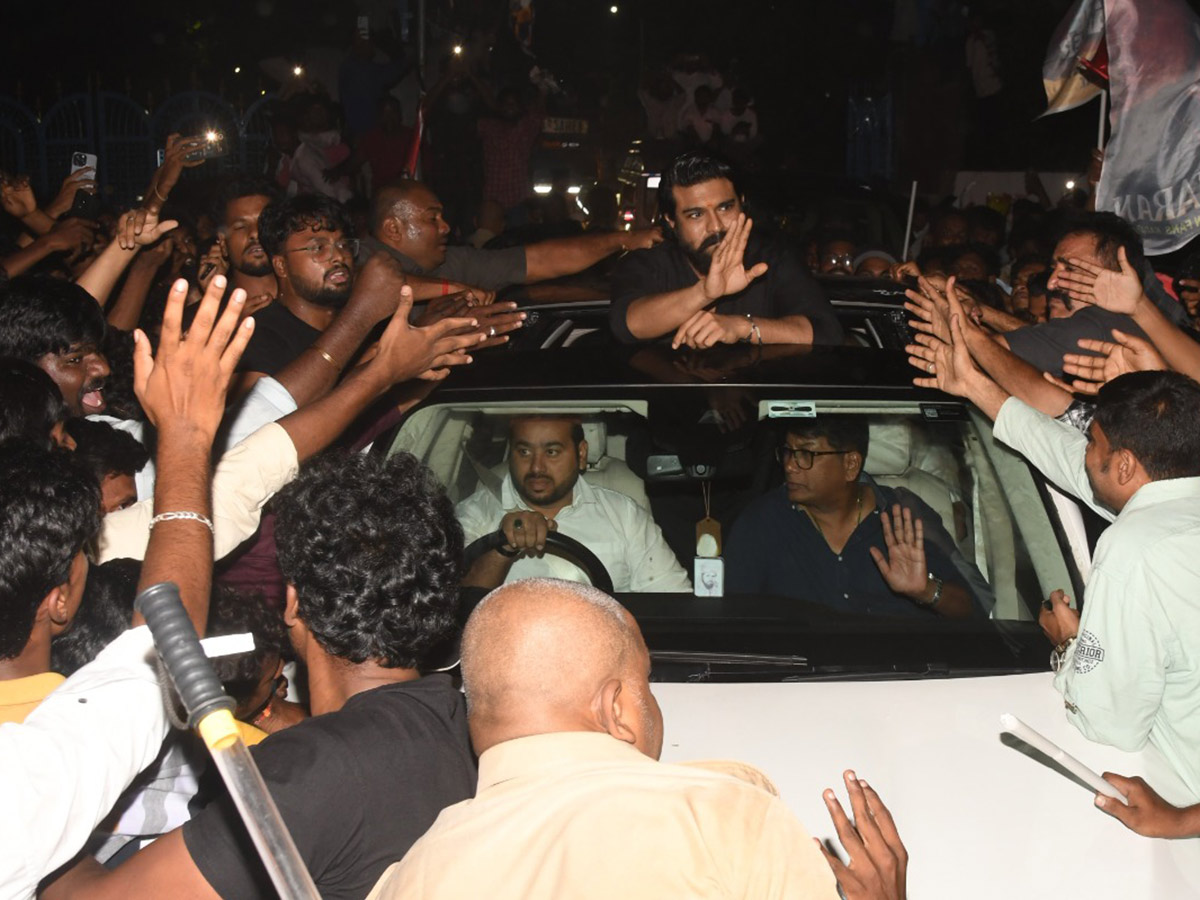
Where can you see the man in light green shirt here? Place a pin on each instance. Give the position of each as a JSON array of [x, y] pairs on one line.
[[1128, 667]]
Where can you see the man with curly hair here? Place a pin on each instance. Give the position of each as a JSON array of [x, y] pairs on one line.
[[371, 551]]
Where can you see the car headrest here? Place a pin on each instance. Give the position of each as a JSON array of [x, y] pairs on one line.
[[596, 435], [890, 450]]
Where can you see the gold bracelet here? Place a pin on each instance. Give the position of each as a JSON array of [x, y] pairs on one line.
[[329, 359]]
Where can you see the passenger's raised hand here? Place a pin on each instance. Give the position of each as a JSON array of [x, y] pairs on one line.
[[904, 569], [727, 273], [1083, 282], [182, 387], [878, 862]]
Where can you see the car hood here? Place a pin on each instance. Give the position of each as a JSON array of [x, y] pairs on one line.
[[979, 817]]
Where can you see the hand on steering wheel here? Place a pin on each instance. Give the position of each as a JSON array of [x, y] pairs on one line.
[[525, 531]]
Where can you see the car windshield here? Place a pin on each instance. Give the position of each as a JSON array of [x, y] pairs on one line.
[[717, 469]]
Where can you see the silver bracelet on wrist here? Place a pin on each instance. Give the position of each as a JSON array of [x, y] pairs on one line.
[[754, 332], [183, 515]]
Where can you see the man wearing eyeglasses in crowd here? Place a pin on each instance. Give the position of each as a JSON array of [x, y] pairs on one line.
[[831, 535], [309, 240]]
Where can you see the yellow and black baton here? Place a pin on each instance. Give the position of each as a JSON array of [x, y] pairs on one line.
[[210, 713]]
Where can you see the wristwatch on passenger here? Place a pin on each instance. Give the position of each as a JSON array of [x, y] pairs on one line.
[[938, 584]]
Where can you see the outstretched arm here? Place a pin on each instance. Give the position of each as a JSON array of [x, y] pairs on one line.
[[932, 311], [566, 256], [138, 228], [182, 390], [1121, 292]]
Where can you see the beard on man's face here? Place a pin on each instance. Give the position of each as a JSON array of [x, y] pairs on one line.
[[255, 266], [701, 256], [331, 294]]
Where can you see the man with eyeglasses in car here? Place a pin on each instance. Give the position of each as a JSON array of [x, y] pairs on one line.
[[832, 535]]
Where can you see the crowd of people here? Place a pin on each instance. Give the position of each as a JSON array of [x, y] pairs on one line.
[[173, 376]]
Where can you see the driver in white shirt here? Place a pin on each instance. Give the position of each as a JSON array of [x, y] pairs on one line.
[[545, 490]]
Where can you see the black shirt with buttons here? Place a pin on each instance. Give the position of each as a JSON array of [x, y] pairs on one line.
[[775, 549]]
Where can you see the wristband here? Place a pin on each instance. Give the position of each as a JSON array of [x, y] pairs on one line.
[[445, 287], [158, 194], [508, 554], [183, 516], [754, 332]]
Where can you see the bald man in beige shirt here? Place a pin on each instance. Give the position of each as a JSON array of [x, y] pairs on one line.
[[572, 802]]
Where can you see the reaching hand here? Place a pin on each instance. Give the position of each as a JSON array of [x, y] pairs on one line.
[[948, 367], [16, 196], [1148, 813], [175, 160], [704, 329], [727, 273], [184, 385], [408, 351], [903, 569], [140, 228], [377, 286], [930, 309], [1125, 353], [1189, 295], [878, 863], [641, 238], [901, 270], [154, 256], [81, 180], [1118, 292], [71, 235], [1058, 620]]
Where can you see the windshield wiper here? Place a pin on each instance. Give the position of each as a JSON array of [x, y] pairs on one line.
[[711, 657]]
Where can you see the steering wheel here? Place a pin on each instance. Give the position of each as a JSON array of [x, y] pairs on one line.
[[556, 543]]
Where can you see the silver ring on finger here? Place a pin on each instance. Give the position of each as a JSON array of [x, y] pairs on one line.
[[491, 331], [929, 367]]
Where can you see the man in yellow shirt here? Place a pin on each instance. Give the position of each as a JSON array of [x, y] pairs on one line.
[[49, 511]]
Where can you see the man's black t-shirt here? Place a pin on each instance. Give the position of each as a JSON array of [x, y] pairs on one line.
[[1043, 346], [356, 788], [279, 337], [786, 289]]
